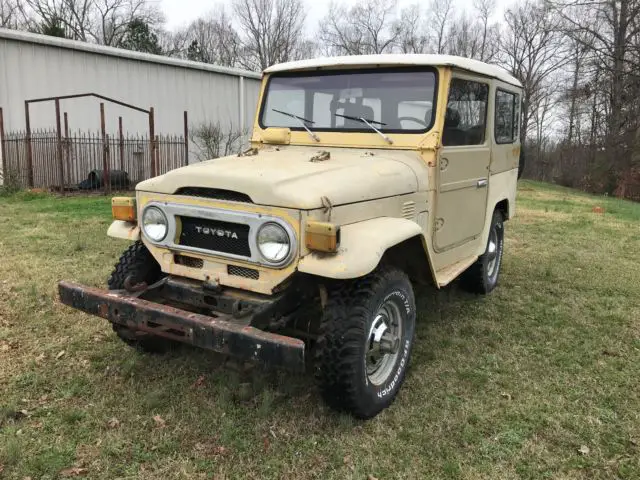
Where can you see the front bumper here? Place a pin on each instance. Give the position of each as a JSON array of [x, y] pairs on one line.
[[219, 333]]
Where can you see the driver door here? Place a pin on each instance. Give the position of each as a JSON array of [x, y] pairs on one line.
[[464, 165]]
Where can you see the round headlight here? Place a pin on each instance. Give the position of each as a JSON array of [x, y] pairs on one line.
[[154, 224], [273, 242]]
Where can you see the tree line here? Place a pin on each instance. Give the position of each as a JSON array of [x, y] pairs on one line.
[[578, 60]]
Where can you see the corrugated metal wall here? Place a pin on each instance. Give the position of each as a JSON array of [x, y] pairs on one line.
[[34, 66]]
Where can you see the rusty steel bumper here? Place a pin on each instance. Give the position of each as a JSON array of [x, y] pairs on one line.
[[219, 334]]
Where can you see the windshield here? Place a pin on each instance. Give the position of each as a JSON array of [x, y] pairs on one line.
[[389, 100]]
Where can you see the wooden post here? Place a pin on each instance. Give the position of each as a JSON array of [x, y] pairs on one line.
[[29, 146], [186, 139], [3, 149], [152, 137], [121, 140], [59, 146], [105, 151]]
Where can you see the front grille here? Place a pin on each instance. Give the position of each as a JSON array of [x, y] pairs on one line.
[[214, 235], [243, 272], [190, 262], [215, 194]]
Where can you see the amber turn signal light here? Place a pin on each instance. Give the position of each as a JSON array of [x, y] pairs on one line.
[[322, 237], [124, 208]]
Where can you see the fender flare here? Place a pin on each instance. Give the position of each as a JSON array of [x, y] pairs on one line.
[[124, 230], [362, 246]]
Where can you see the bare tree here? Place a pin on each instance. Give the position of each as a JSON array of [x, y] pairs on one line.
[[213, 140], [369, 27], [485, 9], [465, 38], [441, 11], [212, 39], [532, 49], [609, 31], [9, 14], [100, 21], [411, 31], [271, 31]]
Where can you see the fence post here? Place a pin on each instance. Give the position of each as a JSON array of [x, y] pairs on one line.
[[152, 136], [121, 141], [29, 147], [67, 147], [156, 156], [59, 146], [3, 150], [186, 139], [105, 151]]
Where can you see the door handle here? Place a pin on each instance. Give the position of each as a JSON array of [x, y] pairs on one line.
[[482, 183]]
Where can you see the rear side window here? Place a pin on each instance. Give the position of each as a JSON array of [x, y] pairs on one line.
[[507, 119], [466, 115]]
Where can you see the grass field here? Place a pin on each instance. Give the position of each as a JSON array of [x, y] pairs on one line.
[[541, 379]]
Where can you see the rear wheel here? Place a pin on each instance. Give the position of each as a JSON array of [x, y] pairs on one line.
[[365, 341], [482, 276], [137, 266]]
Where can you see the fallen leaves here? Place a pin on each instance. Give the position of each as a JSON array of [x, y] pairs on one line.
[[160, 423], [212, 449], [113, 423], [584, 450], [199, 382], [74, 472]]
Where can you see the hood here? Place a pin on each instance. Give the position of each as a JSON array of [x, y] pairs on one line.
[[287, 176]]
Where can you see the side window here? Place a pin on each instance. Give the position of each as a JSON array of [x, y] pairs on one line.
[[466, 116], [507, 119]]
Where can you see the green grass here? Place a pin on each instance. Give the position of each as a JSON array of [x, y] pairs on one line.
[[511, 385]]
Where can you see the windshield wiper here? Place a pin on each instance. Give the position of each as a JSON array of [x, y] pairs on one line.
[[302, 121], [368, 123]]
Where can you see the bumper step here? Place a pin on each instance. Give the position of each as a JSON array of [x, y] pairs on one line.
[[212, 333]]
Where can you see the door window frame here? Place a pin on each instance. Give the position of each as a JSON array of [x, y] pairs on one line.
[[477, 79], [516, 100]]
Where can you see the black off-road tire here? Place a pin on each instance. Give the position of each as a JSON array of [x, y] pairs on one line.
[[138, 265], [340, 355], [482, 277]]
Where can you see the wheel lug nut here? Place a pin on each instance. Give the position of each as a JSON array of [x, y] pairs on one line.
[[389, 343]]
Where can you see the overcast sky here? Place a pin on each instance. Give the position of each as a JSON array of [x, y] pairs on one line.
[[181, 12]]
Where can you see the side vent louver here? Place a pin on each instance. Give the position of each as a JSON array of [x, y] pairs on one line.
[[409, 210]]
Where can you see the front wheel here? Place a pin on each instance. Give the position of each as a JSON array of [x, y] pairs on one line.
[[365, 341], [137, 266]]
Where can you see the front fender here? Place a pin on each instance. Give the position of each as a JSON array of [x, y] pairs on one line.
[[124, 230], [362, 246]]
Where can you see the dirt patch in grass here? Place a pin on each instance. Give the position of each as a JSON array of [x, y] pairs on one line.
[[539, 379]]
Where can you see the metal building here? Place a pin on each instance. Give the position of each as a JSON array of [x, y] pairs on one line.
[[36, 66]]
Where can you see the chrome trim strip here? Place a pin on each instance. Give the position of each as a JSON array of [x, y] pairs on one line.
[[254, 220]]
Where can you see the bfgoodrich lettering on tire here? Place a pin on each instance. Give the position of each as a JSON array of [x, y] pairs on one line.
[[365, 342]]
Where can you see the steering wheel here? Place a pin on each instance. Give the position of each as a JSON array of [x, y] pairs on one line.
[[412, 119]]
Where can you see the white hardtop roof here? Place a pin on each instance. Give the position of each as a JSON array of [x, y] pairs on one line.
[[462, 63]]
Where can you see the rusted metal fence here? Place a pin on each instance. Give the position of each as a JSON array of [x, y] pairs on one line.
[[88, 160]]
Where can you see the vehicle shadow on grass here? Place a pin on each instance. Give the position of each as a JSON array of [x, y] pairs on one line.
[[269, 392]]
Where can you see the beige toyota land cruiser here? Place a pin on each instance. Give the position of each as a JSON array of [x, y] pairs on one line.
[[366, 175]]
